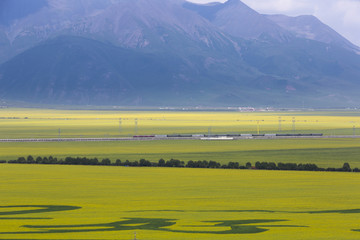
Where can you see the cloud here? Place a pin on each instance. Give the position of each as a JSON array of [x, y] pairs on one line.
[[342, 15], [345, 18]]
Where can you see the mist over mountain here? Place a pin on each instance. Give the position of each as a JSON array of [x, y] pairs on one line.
[[171, 53]]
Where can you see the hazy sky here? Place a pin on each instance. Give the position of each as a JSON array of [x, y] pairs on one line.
[[341, 15]]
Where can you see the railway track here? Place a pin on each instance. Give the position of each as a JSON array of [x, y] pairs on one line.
[[151, 138]]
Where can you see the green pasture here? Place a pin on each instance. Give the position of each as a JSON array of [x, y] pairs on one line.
[[124, 203], [323, 152], [49, 123]]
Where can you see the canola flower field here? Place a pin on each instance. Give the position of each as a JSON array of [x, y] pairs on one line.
[[56, 202], [323, 152], [82, 202], [47, 123]]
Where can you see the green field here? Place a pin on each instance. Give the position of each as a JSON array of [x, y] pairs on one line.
[[47, 123], [55, 202], [323, 152], [80, 202]]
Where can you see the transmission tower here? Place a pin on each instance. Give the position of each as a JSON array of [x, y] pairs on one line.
[[120, 123], [280, 124], [136, 126], [354, 130], [293, 124]]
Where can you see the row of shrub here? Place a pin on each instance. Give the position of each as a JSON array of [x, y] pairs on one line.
[[177, 163], [302, 167]]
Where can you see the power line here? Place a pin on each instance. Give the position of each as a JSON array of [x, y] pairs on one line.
[[354, 130], [120, 123], [280, 124], [293, 124], [136, 126]]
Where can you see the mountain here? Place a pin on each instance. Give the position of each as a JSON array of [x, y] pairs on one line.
[[132, 24], [61, 60], [237, 19], [170, 53], [310, 27], [76, 70]]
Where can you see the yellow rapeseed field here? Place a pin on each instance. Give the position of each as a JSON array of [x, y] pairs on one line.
[[28, 123], [48, 123], [82, 202], [323, 152]]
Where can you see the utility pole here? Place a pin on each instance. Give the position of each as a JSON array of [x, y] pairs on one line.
[[293, 122], [59, 131], [258, 127], [279, 124], [120, 122], [136, 126], [354, 130]]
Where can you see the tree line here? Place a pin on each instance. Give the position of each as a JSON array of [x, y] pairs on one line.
[[179, 164]]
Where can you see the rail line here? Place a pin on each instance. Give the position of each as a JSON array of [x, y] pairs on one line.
[[151, 138]]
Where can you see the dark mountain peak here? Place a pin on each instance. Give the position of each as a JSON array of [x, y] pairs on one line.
[[237, 3], [304, 19], [308, 18], [239, 20], [132, 24], [232, 2], [207, 11], [154, 23]]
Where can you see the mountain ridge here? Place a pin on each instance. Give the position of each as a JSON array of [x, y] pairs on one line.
[[173, 53], [310, 27], [239, 20]]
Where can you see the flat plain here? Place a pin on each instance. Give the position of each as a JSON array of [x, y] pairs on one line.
[[83, 202], [48, 123], [45, 123], [107, 202]]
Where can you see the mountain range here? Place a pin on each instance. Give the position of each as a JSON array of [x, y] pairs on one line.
[[171, 53]]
